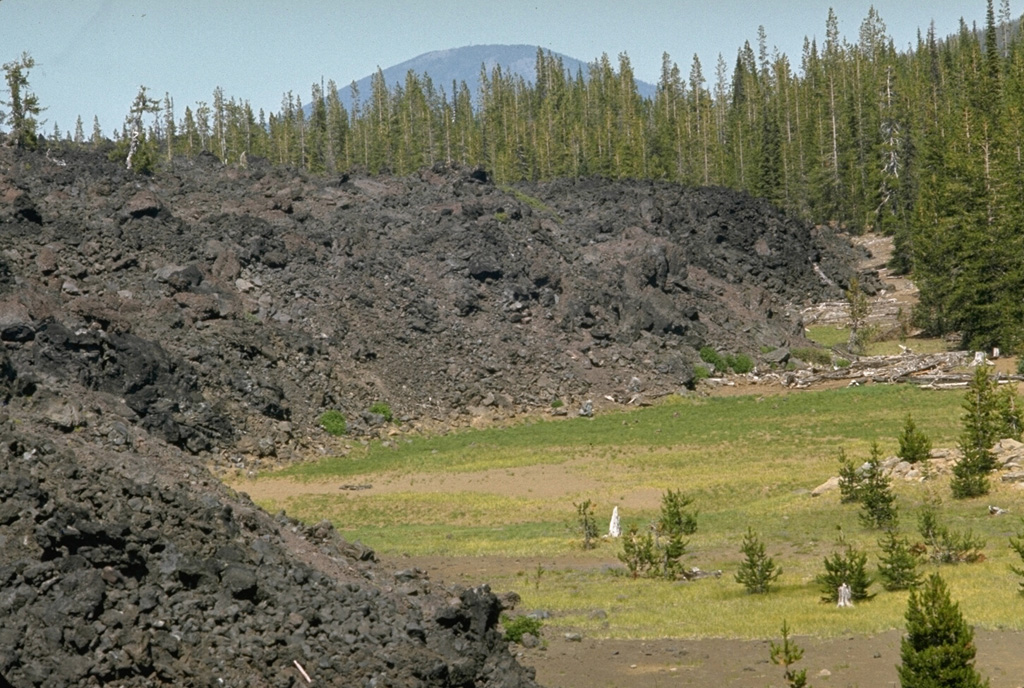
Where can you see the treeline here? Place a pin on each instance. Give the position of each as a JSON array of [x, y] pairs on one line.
[[924, 144]]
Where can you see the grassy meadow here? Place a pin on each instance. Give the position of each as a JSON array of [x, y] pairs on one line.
[[747, 461]]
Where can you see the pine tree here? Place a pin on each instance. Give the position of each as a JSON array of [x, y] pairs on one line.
[[897, 564], [22, 103], [938, 650], [914, 444], [849, 479], [845, 565], [1010, 412], [758, 571], [980, 431], [786, 655], [878, 503], [1017, 545]]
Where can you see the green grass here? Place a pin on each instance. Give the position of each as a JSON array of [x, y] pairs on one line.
[[829, 336], [747, 461]]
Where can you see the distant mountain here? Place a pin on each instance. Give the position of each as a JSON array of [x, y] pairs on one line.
[[463, 64]]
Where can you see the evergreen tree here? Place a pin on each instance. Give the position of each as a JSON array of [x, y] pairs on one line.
[[1017, 545], [981, 425], [897, 564], [23, 105], [1010, 412], [849, 479], [878, 503], [757, 571], [845, 565], [938, 650], [915, 446], [786, 655]]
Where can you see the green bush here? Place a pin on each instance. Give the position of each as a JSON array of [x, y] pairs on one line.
[[381, 408], [557, 403], [333, 423], [740, 363], [947, 546], [810, 354], [700, 373], [518, 626], [709, 355]]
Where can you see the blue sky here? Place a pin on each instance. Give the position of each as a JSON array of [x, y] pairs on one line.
[[92, 55]]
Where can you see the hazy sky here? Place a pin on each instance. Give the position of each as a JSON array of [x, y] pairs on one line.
[[92, 55]]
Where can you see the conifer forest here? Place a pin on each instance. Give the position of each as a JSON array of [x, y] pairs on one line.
[[923, 144]]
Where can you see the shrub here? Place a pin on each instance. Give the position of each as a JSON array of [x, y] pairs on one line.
[[819, 357], [333, 423], [557, 403], [946, 546], [842, 363], [740, 363], [518, 626], [382, 408], [758, 570], [938, 649], [700, 373], [914, 444], [709, 355]]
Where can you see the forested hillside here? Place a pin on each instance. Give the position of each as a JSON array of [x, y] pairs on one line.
[[923, 144]]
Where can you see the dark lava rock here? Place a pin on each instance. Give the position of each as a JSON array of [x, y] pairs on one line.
[[208, 315]]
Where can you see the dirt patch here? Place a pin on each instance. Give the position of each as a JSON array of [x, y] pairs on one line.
[[867, 661]]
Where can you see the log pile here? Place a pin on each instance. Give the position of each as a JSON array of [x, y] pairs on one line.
[[945, 370]]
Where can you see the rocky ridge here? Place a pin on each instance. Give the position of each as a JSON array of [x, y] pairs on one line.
[[153, 327], [230, 306]]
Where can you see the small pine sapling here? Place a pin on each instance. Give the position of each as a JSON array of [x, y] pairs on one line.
[[981, 429], [897, 564], [674, 516], [846, 565], [587, 523], [757, 571], [878, 503], [849, 479], [1011, 413], [1017, 545], [938, 649], [674, 522], [947, 546], [637, 552], [915, 446], [786, 655]]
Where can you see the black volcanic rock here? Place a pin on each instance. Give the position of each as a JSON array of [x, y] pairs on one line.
[[153, 326]]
